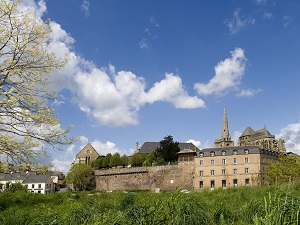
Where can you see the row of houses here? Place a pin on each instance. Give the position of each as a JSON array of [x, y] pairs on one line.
[[36, 183]]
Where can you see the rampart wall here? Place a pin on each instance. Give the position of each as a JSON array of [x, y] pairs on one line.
[[168, 178]]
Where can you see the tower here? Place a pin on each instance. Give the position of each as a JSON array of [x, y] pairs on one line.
[[225, 139]]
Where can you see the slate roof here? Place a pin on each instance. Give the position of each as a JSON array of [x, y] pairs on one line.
[[257, 134], [12, 176], [32, 178], [147, 147]]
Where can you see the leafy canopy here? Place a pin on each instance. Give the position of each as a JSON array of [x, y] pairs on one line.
[[27, 124]]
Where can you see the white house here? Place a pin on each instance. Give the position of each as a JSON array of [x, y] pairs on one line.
[[11, 178], [39, 184]]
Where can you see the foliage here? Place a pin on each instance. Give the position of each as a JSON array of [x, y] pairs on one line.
[[14, 187], [97, 164], [168, 149], [115, 160], [153, 159], [137, 159], [26, 122], [124, 160], [81, 176], [286, 169], [106, 161], [245, 205]]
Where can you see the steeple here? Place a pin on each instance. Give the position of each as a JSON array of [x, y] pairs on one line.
[[225, 131], [225, 140]]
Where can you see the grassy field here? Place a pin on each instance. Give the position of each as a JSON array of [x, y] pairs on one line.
[[244, 205]]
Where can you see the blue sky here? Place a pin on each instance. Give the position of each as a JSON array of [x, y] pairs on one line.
[[141, 70]]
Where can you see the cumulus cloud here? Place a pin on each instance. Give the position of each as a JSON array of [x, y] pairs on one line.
[[238, 22], [228, 74], [291, 135]]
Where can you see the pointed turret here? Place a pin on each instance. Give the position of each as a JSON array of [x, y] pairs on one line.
[[225, 140]]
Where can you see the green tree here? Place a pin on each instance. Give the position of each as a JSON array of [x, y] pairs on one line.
[[98, 163], [14, 187], [153, 159], [115, 160], [124, 160], [168, 149], [106, 160], [81, 176], [26, 122], [137, 159], [285, 169]]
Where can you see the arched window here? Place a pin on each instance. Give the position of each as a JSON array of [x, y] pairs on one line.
[[246, 151], [234, 152], [223, 152], [212, 153]]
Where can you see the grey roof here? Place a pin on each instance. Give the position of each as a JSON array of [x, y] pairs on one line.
[[32, 178], [248, 131], [12, 176], [257, 134], [239, 150], [60, 175], [148, 147], [187, 151]]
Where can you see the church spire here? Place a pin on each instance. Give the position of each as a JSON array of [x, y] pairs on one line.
[[225, 131], [225, 139]]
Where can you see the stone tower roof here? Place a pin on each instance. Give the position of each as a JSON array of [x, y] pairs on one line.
[[249, 131]]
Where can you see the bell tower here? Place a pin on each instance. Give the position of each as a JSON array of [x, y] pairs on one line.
[[225, 139]]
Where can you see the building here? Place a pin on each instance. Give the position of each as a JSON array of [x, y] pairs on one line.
[[6, 179], [149, 146], [86, 155], [39, 184], [227, 165], [223, 166]]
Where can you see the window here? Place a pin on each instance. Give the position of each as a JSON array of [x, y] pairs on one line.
[[234, 152], [212, 162], [32, 186], [223, 183], [212, 172], [186, 158], [234, 171], [212, 153], [201, 162], [201, 154], [246, 170], [39, 191], [246, 151], [223, 172], [223, 161], [223, 152], [234, 161], [201, 184], [235, 183], [247, 182], [201, 173], [212, 184], [246, 160], [40, 186]]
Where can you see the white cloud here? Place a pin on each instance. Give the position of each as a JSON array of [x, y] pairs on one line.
[[228, 74], [235, 137], [237, 22], [260, 2], [291, 135], [144, 44], [171, 90], [287, 20], [197, 143], [248, 92], [85, 7], [267, 15]]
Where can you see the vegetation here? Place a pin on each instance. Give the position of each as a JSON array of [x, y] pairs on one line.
[[286, 169], [81, 176], [26, 122], [168, 149], [245, 205]]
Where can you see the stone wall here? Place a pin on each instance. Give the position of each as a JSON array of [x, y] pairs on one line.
[[168, 178]]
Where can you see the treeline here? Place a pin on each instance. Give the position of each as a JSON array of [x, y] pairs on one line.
[[264, 205], [166, 153]]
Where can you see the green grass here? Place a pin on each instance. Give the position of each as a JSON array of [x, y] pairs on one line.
[[245, 205]]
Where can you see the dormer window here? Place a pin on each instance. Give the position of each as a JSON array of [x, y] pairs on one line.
[[201, 154], [223, 152], [234, 152], [212, 153], [246, 151]]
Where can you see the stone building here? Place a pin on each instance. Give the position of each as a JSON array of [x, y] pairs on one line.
[[86, 155], [223, 166]]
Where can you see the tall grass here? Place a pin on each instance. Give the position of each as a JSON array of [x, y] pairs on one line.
[[245, 205]]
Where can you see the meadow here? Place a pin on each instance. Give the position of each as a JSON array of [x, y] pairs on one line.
[[243, 205]]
